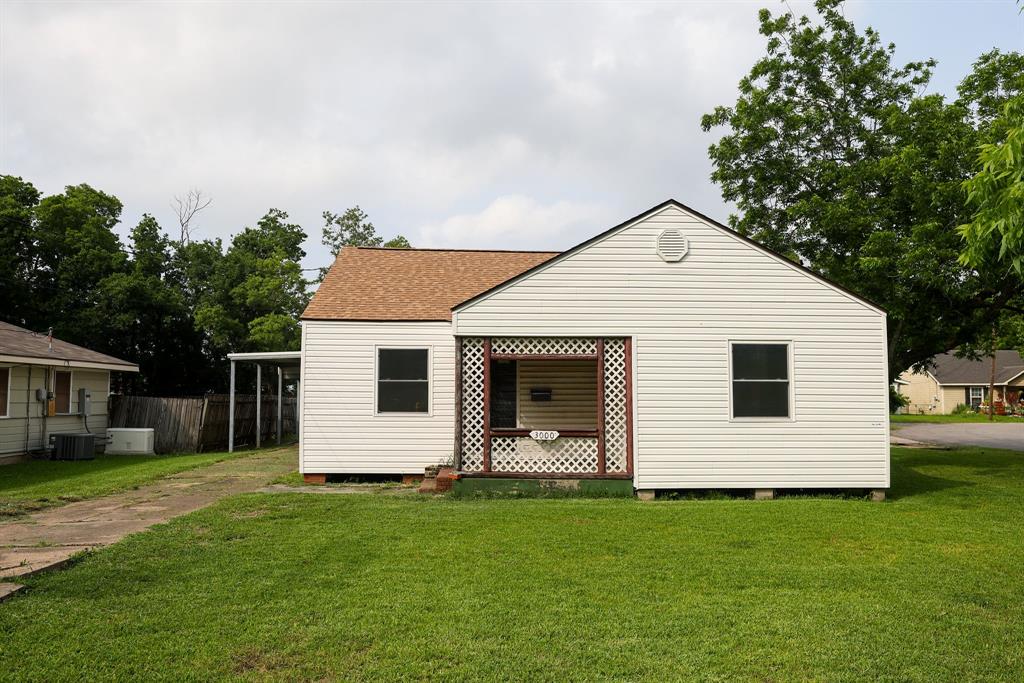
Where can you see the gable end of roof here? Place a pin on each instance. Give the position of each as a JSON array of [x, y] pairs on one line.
[[696, 214]]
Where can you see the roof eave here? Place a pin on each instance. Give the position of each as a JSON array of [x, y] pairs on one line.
[[51, 361], [375, 320]]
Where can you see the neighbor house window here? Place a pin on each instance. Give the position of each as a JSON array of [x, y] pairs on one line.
[[760, 380], [976, 396], [62, 392], [403, 380], [5, 392]]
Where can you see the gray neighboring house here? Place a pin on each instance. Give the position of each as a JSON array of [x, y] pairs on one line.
[[954, 381], [40, 382]]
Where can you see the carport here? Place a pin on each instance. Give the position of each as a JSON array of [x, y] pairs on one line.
[[288, 364]]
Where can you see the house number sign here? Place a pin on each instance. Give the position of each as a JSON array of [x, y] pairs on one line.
[[543, 435]]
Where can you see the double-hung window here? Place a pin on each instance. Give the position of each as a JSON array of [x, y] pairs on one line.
[[977, 396], [403, 380], [761, 386]]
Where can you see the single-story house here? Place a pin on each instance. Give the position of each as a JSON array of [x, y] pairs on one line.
[[668, 350], [953, 381], [49, 386]]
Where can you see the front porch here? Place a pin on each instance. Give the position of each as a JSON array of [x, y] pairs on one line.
[[544, 407]]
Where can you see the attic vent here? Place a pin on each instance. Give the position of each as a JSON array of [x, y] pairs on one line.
[[672, 246]]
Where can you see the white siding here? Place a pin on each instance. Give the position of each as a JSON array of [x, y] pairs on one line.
[[573, 401], [682, 317], [24, 403], [340, 431]]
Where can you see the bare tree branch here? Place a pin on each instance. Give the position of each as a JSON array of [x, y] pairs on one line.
[[187, 206]]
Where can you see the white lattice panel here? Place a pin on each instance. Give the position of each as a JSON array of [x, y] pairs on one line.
[[568, 455], [472, 405], [544, 345], [615, 405]]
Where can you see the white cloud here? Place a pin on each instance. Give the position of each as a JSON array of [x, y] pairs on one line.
[[421, 113], [517, 222]]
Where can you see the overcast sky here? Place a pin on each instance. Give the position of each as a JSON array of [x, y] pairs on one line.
[[462, 125]]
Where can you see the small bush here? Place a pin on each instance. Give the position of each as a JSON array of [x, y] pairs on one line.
[[897, 401], [963, 409]]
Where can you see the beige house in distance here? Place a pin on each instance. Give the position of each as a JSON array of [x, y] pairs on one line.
[[49, 386], [960, 381]]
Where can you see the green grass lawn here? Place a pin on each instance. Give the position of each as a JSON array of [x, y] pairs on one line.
[[37, 484], [969, 417], [927, 586]]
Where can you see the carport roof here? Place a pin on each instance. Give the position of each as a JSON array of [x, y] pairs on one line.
[[282, 358]]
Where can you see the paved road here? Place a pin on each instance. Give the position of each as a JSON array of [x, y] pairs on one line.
[[50, 537], [995, 435]]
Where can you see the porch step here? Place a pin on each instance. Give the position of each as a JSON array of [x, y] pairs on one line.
[[440, 482]]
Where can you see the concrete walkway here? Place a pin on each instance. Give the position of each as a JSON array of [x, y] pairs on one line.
[[1009, 435], [49, 538]]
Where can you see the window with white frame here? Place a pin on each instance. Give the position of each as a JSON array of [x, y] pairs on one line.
[[977, 396], [403, 380], [5, 392], [62, 392], [760, 380]]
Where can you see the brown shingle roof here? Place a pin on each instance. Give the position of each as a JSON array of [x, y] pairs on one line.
[[411, 284], [35, 348], [952, 370]]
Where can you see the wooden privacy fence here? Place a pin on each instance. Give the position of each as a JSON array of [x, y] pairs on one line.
[[195, 424]]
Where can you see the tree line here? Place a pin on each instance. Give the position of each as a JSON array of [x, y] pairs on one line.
[[176, 307]]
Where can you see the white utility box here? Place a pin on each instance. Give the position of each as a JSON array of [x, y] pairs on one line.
[[130, 440]]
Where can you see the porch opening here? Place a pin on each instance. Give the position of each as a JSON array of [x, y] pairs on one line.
[[544, 394]]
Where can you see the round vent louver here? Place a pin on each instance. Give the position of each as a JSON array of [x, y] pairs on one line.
[[672, 246]]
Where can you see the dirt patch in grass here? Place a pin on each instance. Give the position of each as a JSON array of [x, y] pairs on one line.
[[251, 514], [256, 661]]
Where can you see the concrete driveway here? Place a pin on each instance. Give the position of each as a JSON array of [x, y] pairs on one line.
[[48, 538], [1008, 435]]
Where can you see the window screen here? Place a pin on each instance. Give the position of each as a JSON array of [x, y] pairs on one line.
[[62, 392], [760, 380], [5, 383], [402, 381], [503, 394]]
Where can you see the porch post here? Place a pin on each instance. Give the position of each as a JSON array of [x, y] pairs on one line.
[[487, 404], [457, 450], [629, 404], [231, 411], [259, 396], [279, 392], [602, 462]]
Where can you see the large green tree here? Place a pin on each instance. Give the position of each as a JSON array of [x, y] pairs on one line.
[[75, 249], [835, 158], [19, 302], [146, 318], [995, 235], [256, 292]]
